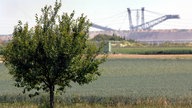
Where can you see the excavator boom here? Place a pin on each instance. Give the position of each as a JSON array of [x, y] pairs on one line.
[[150, 24]]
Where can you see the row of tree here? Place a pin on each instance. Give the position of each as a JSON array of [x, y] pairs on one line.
[[104, 37]]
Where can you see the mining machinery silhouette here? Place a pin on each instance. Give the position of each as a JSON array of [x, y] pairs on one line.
[[146, 25]]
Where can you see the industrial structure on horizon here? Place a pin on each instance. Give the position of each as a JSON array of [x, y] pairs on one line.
[[147, 25], [143, 31], [140, 26]]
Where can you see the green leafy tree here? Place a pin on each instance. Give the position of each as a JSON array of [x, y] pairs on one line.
[[53, 53]]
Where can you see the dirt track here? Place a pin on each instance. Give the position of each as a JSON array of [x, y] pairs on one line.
[[181, 56]]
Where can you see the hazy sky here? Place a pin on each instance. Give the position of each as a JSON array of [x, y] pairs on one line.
[[110, 13]]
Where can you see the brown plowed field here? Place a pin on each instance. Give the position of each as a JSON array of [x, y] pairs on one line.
[[179, 56]]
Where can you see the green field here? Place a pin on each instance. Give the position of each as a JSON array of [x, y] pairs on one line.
[[153, 50], [123, 80], [141, 78]]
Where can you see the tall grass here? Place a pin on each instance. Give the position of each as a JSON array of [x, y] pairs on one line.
[[113, 102]]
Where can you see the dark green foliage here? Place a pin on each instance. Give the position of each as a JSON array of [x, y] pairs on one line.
[[53, 53], [103, 37]]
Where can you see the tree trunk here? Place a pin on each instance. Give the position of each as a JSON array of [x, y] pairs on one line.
[[51, 88]]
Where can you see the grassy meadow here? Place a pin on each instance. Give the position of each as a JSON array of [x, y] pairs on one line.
[[132, 47], [127, 81], [153, 50]]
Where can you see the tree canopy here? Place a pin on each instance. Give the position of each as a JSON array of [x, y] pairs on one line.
[[53, 53]]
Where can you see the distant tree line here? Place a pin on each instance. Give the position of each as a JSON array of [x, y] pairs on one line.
[[104, 37]]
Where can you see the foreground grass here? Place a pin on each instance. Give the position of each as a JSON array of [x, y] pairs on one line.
[[135, 78], [101, 102], [122, 80], [85, 105]]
